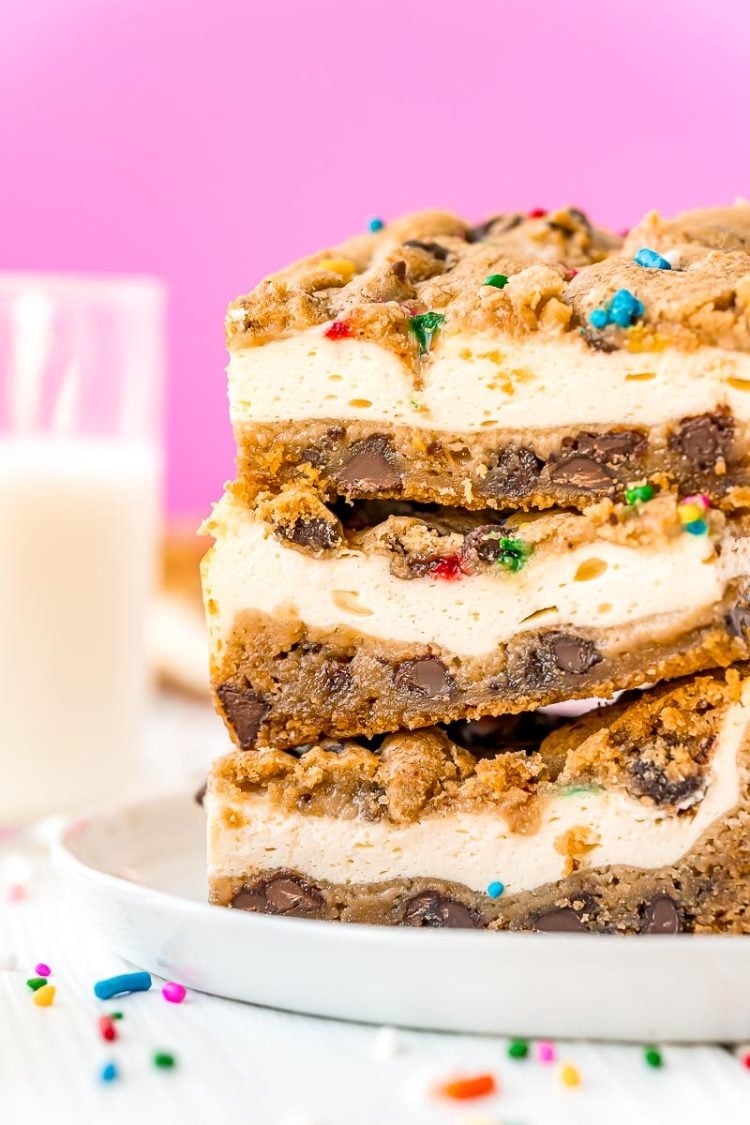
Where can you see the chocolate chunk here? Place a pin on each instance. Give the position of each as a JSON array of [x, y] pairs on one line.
[[703, 439], [426, 676], [433, 248], [317, 534], [337, 678], [582, 473], [285, 893], [611, 447], [661, 916], [370, 466], [484, 542], [599, 342], [581, 217], [651, 780], [477, 233], [563, 920], [573, 654], [434, 909], [200, 796], [515, 474], [245, 712], [399, 269]]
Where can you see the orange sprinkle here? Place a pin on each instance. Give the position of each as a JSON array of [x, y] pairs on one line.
[[45, 996], [463, 1089]]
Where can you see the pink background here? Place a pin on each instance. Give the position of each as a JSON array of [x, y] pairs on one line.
[[210, 141]]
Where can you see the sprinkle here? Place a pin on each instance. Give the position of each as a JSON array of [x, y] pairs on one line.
[[448, 568], [653, 1057], [700, 499], [599, 318], [173, 992], [463, 1089], [425, 326], [696, 527], [639, 494], [537, 213], [42, 970], [338, 330], [45, 996], [116, 1015], [387, 1043], [107, 1028], [374, 224], [125, 982], [622, 310], [495, 889], [568, 1075], [745, 1058], [650, 260], [545, 1051], [514, 554], [108, 1073], [35, 983], [163, 1060], [342, 266], [518, 1049], [496, 280], [687, 511]]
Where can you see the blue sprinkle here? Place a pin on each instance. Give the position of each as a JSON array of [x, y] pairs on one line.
[[495, 889], [624, 308], [650, 260], [375, 225], [696, 527], [126, 982], [599, 318], [108, 1073]]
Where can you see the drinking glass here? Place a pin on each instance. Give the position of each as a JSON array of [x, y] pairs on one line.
[[81, 373]]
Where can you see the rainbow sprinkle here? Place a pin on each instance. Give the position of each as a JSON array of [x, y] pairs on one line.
[[108, 1073], [639, 494], [163, 1060], [651, 260], [173, 992], [495, 889], [125, 982], [514, 554], [374, 224], [652, 1057], [425, 326], [464, 1089], [496, 280], [623, 310], [569, 1075], [518, 1049], [545, 1051]]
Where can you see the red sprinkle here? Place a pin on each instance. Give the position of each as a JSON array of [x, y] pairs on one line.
[[463, 1089], [107, 1028], [339, 330], [745, 1060], [537, 213], [448, 568]]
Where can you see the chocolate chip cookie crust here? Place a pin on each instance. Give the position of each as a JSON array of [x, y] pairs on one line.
[[489, 367], [661, 778]]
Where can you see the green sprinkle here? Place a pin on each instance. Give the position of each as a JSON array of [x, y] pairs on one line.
[[581, 790], [36, 982], [518, 1049], [115, 1015], [514, 554], [653, 1057], [639, 494], [496, 280], [164, 1060], [424, 326]]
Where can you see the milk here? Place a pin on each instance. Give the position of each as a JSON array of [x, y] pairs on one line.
[[78, 526]]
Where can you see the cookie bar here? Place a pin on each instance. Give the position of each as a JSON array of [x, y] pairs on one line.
[[633, 819], [526, 363], [380, 616]]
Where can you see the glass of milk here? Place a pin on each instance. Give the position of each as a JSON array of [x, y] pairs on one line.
[[81, 373]]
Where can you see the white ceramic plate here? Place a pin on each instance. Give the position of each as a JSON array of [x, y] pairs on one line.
[[137, 874]]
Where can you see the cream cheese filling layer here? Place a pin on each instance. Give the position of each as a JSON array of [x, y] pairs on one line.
[[249, 569], [474, 849], [482, 382]]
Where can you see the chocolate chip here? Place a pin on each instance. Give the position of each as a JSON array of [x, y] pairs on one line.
[[581, 217], [611, 447], [399, 269], [651, 780], [317, 534], [370, 466], [477, 233], [200, 796], [703, 439], [484, 542], [434, 909], [573, 654], [426, 676], [582, 473], [285, 893], [433, 248], [245, 712], [515, 473], [337, 678], [661, 916], [563, 920]]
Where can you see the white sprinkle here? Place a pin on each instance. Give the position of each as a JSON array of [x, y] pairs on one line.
[[387, 1043], [672, 256]]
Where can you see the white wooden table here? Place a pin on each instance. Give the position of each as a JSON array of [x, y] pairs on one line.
[[237, 1063]]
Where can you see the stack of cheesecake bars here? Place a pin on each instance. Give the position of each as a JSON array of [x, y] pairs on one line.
[[483, 470]]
